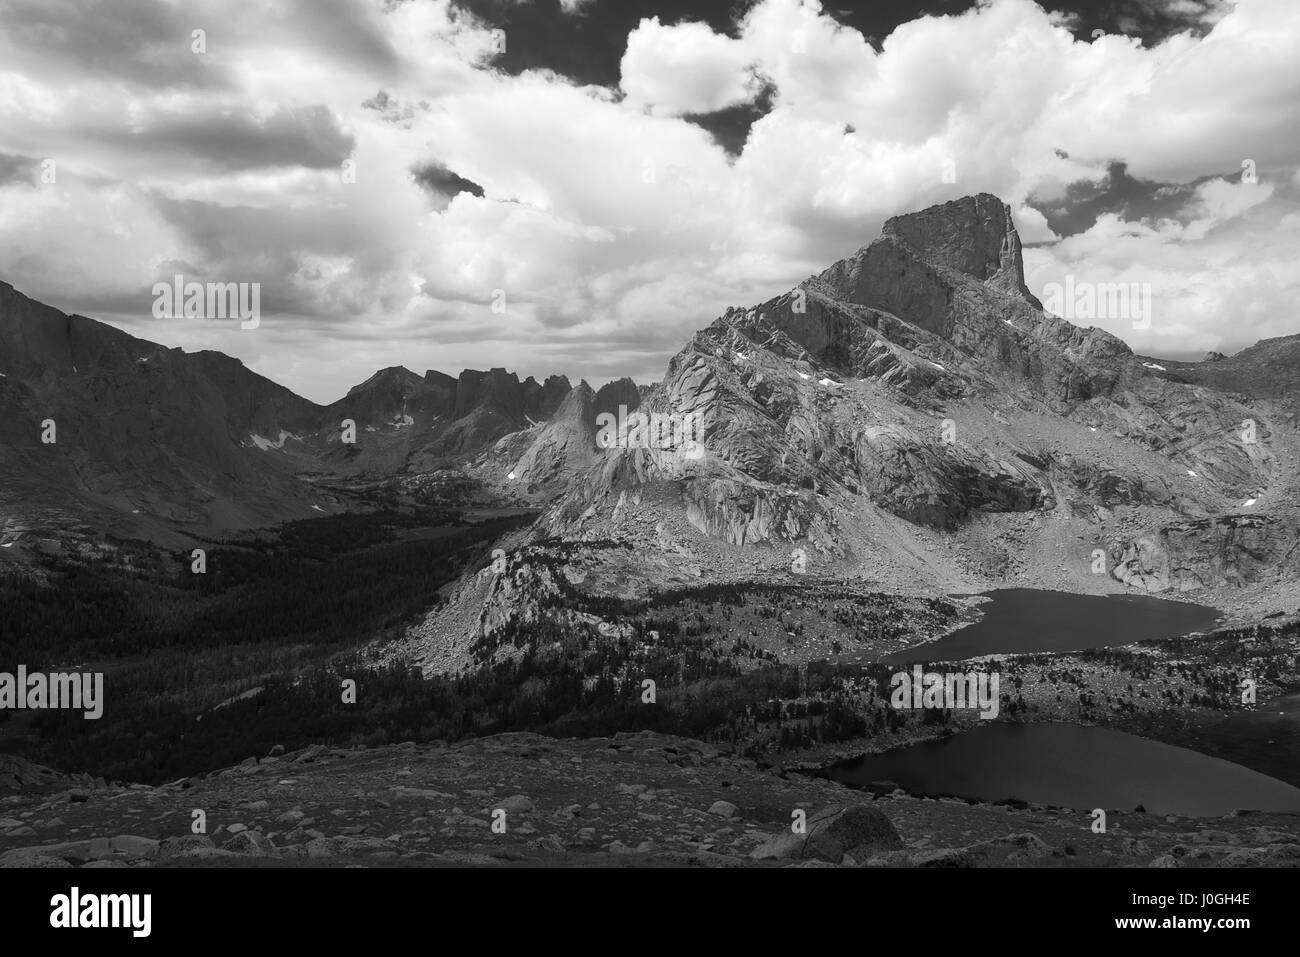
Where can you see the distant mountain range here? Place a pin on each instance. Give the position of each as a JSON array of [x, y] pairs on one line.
[[157, 443]]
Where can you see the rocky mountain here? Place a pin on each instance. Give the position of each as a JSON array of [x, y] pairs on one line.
[[541, 401], [488, 405], [912, 417], [100, 429], [156, 443], [544, 460], [621, 393], [560, 448], [407, 423], [392, 395], [1266, 375]]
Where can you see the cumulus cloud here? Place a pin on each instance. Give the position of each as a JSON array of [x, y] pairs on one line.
[[686, 68], [1206, 276]]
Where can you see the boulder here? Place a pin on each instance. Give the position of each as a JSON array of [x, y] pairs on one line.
[[251, 843], [944, 857], [186, 845], [72, 851], [1244, 857], [723, 809], [856, 830], [515, 804], [129, 845], [308, 755]]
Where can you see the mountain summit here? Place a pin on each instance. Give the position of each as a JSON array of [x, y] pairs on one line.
[[974, 235]]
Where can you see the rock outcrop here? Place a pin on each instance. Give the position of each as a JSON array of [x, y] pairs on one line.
[[1230, 550], [563, 447], [840, 834], [541, 401], [621, 393]]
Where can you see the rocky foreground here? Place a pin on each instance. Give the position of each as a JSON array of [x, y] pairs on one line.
[[522, 799]]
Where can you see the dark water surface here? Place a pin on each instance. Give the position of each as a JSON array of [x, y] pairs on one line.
[[1074, 766], [1023, 620], [1266, 738]]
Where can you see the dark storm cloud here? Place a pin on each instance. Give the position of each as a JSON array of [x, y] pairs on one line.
[[437, 178], [139, 41], [292, 136], [17, 169], [149, 42], [244, 244], [277, 247]]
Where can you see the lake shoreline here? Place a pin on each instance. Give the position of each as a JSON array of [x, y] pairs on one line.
[[1064, 764], [1129, 711], [817, 762], [1058, 621]]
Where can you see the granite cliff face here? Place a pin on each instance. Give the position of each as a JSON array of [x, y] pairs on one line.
[[562, 447], [621, 393], [1229, 550]]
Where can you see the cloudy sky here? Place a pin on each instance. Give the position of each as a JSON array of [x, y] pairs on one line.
[[612, 174]]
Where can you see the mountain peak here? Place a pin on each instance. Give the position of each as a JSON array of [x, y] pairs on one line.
[[954, 270], [394, 375], [619, 392], [974, 235]]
